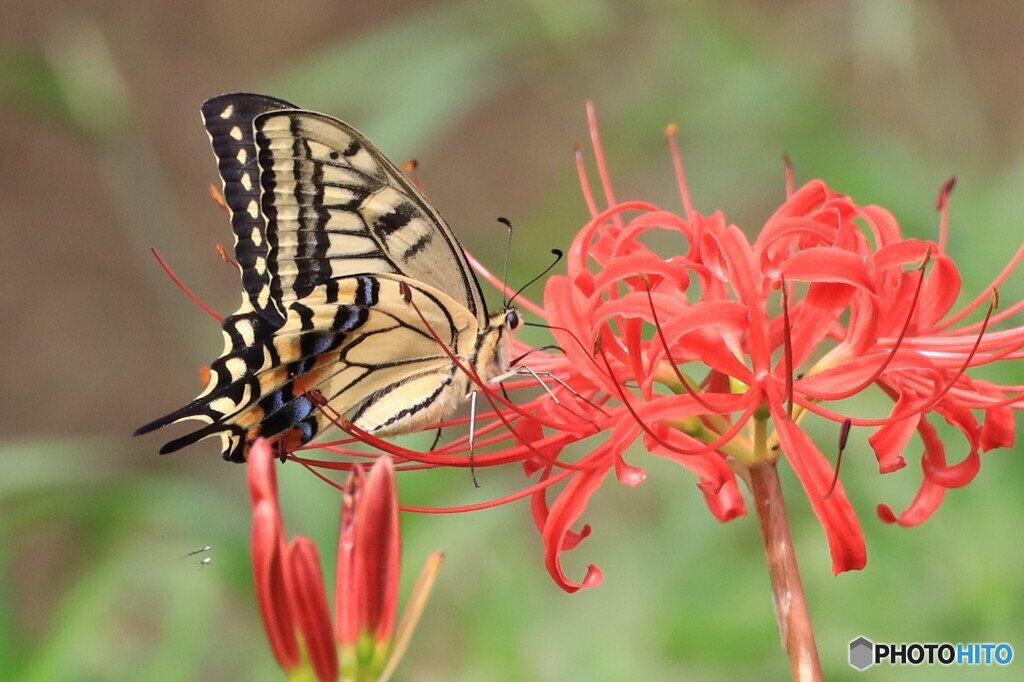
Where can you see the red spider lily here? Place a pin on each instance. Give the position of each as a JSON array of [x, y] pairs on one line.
[[829, 300], [290, 587]]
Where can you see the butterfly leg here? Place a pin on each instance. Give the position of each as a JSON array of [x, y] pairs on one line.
[[472, 436], [437, 439], [282, 449], [526, 370]]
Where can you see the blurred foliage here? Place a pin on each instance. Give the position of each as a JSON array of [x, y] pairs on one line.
[[882, 100]]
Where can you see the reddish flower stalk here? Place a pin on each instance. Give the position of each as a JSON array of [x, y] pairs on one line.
[[362, 643], [791, 612]]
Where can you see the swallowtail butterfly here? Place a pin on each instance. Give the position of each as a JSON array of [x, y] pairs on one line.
[[340, 255]]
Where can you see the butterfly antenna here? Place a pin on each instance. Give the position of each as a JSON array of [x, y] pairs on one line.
[[557, 253], [508, 250]]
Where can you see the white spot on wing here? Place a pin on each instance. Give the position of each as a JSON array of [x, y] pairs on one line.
[[228, 111], [242, 156], [236, 133], [236, 367], [253, 209], [223, 405], [246, 182], [247, 333]]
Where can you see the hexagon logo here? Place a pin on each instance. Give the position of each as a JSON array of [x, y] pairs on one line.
[[862, 653]]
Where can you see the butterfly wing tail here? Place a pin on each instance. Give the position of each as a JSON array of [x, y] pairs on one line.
[[232, 435], [163, 421]]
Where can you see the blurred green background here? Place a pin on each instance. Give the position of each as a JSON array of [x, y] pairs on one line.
[[102, 155]]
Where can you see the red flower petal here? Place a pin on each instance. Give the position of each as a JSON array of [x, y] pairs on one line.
[[827, 264], [930, 494], [271, 590], [564, 512], [377, 551], [845, 538], [261, 474], [310, 605]]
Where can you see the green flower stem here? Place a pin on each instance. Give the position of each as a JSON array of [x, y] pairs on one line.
[[792, 616]]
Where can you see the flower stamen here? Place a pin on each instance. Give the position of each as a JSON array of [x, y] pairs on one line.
[[668, 353], [787, 350], [942, 206], [223, 253], [844, 434], [218, 197], [181, 285], [677, 164]]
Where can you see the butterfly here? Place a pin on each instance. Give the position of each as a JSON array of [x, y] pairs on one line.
[[350, 278]]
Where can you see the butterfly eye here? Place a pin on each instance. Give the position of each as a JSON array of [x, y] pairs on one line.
[[512, 319]]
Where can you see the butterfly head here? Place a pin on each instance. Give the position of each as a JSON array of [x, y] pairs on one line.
[[494, 351]]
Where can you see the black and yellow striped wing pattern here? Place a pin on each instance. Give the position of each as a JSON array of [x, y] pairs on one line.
[[340, 256]]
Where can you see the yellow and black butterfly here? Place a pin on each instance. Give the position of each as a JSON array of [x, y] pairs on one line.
[[349, 279]]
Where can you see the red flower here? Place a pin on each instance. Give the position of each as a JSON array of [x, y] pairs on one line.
[[716, 353], [290, 588]]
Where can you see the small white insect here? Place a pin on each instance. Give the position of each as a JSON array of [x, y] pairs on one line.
[[205, 548]]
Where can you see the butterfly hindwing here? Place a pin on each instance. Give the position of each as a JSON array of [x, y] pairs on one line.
[[359, 344]]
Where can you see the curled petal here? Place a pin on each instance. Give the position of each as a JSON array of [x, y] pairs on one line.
[[999, 428], [624, 433], [892, 437], [827, 264], [726, 503], [711, 468], [930, 494], [568, 507], [736, 252], [940, 291], [960, 474], [625, 268], [803, 201], [882, 224], [539, 510]]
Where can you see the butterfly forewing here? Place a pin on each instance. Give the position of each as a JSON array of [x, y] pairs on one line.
[[228, 121], [336, 207]]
